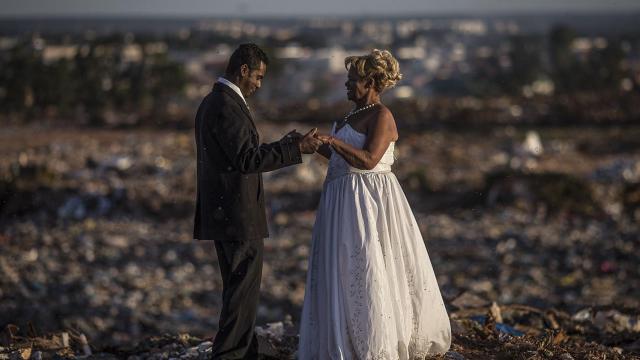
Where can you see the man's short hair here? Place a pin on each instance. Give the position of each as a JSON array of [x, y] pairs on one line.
[[249, 54]]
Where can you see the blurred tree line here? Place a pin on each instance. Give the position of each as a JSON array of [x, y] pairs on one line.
[[100, 86], [96, 82], [553, 58]]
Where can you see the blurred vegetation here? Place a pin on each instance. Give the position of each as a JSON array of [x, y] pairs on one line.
[[95, 81], [100, 87], [534, 57]]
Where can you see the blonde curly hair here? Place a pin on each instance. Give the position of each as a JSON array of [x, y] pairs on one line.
[[379, 66]]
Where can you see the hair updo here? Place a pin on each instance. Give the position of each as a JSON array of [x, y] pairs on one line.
[[379, 66]]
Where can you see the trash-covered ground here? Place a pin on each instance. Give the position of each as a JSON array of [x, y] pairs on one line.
[[492, 332], [95, 232]]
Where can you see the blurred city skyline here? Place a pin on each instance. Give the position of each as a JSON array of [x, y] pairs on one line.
[[279, 8]]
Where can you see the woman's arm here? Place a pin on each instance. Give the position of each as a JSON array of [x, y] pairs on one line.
[[380, 133]]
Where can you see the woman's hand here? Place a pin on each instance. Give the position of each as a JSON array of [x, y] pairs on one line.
[[326, 139], [325, 148]]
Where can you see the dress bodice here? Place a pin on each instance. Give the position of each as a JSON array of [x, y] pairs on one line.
[[338, 166]]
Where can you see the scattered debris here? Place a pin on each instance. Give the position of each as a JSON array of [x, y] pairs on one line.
[[95, 229]]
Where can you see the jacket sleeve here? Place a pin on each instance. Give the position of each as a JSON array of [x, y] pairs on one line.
[[233, 131]]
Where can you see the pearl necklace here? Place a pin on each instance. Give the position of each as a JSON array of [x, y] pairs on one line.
[[355, 111]]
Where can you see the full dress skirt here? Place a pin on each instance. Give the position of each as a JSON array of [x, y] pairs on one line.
[[371, 291]]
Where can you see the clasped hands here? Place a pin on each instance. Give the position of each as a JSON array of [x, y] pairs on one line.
[[311, 141]]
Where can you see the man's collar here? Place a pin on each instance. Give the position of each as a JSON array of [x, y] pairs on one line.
[[233, 87]]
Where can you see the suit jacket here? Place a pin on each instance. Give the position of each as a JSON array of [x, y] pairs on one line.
[[230, 196]]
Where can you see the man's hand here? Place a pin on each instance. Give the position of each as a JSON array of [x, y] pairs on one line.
[[308, 143]]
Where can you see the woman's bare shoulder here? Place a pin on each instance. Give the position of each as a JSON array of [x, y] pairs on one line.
[[383, 118]]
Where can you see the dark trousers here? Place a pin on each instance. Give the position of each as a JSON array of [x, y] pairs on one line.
[[241, 269]]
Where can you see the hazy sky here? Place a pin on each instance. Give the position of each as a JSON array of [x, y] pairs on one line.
[[301, 7]]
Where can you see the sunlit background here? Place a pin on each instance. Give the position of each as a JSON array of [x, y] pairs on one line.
[[519, 151]]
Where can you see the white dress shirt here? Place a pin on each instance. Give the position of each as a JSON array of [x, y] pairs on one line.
[[233, 87]]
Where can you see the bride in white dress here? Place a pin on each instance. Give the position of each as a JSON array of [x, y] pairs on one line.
[[371, 292]]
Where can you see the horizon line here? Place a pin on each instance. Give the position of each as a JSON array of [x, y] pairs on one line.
[[129, 15]]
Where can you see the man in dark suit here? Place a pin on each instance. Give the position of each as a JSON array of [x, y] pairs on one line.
[[230, 195]]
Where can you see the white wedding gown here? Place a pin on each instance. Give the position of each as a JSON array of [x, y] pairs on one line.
[[371, 292]]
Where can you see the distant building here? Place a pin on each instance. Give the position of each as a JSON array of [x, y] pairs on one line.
[[53, 53]]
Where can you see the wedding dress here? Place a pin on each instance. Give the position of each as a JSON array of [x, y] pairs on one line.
[[371, 292]]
